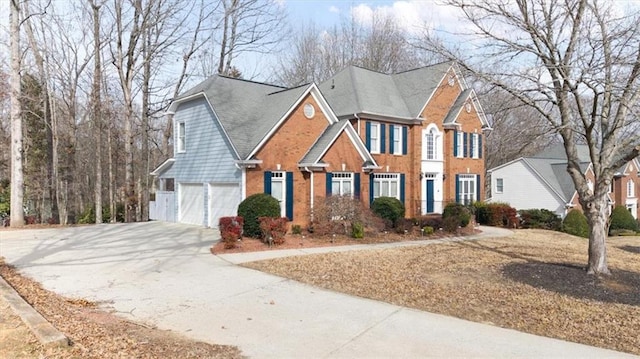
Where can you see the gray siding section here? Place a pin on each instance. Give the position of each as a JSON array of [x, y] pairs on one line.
[[208, 157]]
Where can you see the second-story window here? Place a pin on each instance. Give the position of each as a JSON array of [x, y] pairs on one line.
[[182, 143], [460, 144], [374, 138], [631, 189], [397, 139], [431, 145], [475, 148]]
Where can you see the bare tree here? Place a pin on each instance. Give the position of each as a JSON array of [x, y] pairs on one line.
[[17, 180], [316, 55], [577, 64], [96, 104]]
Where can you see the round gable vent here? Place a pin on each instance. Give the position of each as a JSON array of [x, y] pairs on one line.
[[309, 111]]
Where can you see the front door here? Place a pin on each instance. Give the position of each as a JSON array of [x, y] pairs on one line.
[[430, 197]]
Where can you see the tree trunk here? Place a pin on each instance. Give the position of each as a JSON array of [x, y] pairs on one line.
[[112, 179], [97, 121], [597, 215], [17, 179]]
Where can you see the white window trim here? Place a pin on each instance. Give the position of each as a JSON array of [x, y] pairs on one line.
[[397, 140], [460, 144], [280, 176], [433, 133], [342, 178], [374, 148], [631, 189], [389, 178], [182, 137], [475, 153], [471, 179], [499, 185]]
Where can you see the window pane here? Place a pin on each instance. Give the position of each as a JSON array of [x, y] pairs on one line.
[[346, 188], [376, 189], [276, 190], [385, 189], [393, 189], [335, 187]]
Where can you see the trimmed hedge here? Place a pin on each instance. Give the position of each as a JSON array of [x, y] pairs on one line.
[[230, 230], [273, 229], [388, 208], [540, 219], [576, 223], [255, 206], [495, 214], [622, 219]]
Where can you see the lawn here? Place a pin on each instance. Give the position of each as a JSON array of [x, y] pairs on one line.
[[533, 281]]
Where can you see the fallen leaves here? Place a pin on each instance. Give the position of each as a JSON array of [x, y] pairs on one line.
[[96, 334], [533, 282]]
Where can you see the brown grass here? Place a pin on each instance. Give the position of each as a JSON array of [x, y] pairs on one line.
[[533, 282]]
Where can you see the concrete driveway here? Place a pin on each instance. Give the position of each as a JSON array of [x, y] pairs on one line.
[[163, 274]]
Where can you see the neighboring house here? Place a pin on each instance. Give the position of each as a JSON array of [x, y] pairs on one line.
[[542, 181], [416, 136]]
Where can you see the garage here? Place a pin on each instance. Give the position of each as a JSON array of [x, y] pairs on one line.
[[191, 204], [223, 201]]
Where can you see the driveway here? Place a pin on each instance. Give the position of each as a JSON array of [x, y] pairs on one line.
[[163, 274]]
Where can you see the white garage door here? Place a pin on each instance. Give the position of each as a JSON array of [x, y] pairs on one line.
[[223, 202], [191, 203]]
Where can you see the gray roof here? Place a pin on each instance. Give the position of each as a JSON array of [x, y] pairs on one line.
[[355, 90], [246, 110], [554, 172], [314, 155], [457, 106], [556, 151]]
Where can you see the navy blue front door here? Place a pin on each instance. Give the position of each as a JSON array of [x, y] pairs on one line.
[[430, 201]]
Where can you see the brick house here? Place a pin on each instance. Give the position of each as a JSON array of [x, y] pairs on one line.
[[542, 181], [416, 136]]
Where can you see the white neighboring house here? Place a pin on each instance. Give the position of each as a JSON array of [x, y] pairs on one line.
[[539, 181]]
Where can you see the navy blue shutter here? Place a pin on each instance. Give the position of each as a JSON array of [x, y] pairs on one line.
[[402, 188], [465, 145], [370, 189], [329, 180], [382, 137], [458, 188], [356, 185], [391, 138], [267, 182], [404, 140], [289, 204], [478, 188], [455, 143], [479, 146], [367, 135]]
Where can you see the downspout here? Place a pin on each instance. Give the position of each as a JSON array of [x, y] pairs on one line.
[[243, 180], [311, 191]]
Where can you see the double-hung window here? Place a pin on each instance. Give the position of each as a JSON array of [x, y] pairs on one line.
[[499, 185], [475, 145], [397, 139], [386, 185], [431, 144], [374, 138], [182, 144], [630, 189], [460, 144], [342, 183]]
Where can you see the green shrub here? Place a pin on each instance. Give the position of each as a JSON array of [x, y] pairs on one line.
[[481, 212], [427, 231], [621, 218], [255, 206], [296, 229], [388, 208], [540, 219], [622, 232], [455, 215], [357, 230], [576, 223]]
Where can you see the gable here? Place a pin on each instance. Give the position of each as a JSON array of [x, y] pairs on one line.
[[342, 151]]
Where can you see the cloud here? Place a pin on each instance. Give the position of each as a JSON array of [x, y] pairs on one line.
[[334, 9], [413, 15]]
